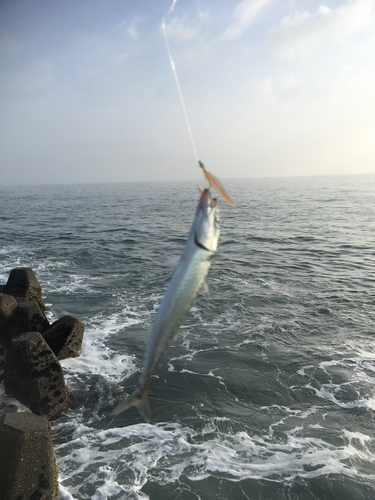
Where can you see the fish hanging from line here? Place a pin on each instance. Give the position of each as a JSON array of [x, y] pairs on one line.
[[189, 277]]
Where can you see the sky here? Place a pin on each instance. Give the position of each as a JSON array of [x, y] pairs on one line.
[[271, 88]]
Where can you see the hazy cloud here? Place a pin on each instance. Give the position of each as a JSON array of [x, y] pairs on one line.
[[205, 15], [120, 58], [299, 34], [266, 88], [292, 83], [243, 16], [179, 30], [131, 27]]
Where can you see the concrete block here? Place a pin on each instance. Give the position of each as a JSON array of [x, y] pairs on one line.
[[22, 282], [27, 462], [7, 306], [27, 317], [3, 353], [65, 337], [34, 376]]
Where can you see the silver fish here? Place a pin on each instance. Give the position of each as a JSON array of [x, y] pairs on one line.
[[189, 277]]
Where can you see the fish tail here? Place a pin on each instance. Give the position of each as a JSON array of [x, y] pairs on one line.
[[137, 398]]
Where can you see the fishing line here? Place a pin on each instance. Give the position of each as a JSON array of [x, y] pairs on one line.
[[173, 65], [212, 180]]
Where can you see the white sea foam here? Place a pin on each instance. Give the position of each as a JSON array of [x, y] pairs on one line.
[[64, 493], [27, 256], [289, 413], [355, 366], [96, 356], [125, 459], [72, 284], [97, 359]]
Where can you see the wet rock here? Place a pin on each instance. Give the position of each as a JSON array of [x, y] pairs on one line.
[[27, 317], [3, 353], [34, 376], [22, 282], [27, 463], [20, 299], [8, 304], [65, 337]]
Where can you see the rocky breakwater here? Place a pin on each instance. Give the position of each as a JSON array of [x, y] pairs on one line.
[[27, 463], [30, 353]]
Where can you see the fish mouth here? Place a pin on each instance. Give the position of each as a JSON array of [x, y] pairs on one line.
[[206, 200]]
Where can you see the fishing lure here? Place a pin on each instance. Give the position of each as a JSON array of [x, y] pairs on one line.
[[216, 184]]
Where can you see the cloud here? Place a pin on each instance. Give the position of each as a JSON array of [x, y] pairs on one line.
[[131, 28], [205, 15], [266, 88], [120, 58], [244, 16], [300, 34], [271, 90], [291, 83], [179, 30]]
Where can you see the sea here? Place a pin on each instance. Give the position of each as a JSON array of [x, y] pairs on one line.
[[268, 391]]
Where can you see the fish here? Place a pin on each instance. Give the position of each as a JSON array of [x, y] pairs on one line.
[[189, 277]]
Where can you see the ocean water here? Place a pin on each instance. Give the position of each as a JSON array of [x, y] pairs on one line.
[[267, 393]]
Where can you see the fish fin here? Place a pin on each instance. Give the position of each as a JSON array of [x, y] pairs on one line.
[[172, 261], [216, 256], [137, 398], [206, 285]]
